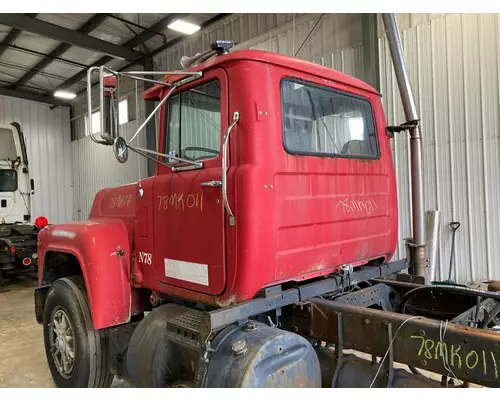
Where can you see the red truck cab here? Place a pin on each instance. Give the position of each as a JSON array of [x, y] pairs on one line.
[[309, 180], [264, 237]]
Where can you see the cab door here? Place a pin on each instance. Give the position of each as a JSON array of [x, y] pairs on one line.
[[188, 207]]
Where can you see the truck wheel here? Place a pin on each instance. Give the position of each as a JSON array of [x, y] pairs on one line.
[[76, 353]]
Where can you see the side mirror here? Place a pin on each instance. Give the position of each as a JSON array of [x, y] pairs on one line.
[[32, 184], [120, 149], [110, 108], [109, 94]]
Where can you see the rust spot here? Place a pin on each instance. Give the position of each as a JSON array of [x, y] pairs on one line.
[[225, 303]]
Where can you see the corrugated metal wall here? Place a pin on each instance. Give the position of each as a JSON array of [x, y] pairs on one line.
[[454, 64], [47, 135], [96, 168], [281, 33]]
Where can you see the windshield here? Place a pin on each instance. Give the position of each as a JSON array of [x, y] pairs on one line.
[[8, 180], [193, 121], [7, 144]]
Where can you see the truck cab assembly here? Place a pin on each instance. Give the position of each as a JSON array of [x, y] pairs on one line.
[[261, 249], [18, 230]]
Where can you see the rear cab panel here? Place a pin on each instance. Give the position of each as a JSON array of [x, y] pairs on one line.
[[301, 216]]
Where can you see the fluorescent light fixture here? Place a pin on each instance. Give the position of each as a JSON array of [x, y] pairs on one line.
[[65, 95], [184, 27]]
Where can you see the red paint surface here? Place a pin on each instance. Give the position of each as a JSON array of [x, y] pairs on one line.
[[94, 243], [310, 223]]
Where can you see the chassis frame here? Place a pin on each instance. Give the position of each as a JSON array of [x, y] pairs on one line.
[[443, 334]]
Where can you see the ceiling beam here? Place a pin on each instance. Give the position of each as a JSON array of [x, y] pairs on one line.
[[21, 94], [49, 56], [204, 25], [134, 42], [56, 32], [11, 37], [81, 75], [86, 28], [159, 26], [128, 23]]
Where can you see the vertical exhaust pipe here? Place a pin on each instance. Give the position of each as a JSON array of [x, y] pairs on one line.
[[432, 233], [418, 246]]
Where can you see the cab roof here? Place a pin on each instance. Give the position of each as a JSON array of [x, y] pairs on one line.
[[270, 58]]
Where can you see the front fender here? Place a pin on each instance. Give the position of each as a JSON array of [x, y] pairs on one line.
[[102, 248]]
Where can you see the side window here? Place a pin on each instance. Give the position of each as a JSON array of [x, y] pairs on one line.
[[193, 123], [8, 180], [321, 121]]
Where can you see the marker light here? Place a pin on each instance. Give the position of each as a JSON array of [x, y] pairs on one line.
[[41, 222]]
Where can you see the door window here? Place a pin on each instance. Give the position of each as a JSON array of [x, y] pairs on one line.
[[192, 128]]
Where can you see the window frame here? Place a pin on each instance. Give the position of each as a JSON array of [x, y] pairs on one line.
[[15, 179], [304, 82], [166, 114]]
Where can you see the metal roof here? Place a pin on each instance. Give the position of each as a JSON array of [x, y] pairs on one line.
[[42, 53]]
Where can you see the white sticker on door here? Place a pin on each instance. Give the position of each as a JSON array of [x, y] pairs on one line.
[[186, 271]]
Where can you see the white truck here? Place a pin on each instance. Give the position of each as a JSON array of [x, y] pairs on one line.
[[18, 234]]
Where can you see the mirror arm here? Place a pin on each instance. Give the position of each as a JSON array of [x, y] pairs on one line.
[[195, 163], [150, 80], [140, 152], [152, 114]]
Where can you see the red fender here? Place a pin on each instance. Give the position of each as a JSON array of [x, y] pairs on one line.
[[102, 248]]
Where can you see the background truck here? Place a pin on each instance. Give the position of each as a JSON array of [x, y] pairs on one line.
[[18, 232], [260, 251]]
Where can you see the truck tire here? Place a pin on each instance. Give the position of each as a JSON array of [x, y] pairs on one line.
[[76, 353]]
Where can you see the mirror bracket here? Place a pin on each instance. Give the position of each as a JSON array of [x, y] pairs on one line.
[[109, 87]]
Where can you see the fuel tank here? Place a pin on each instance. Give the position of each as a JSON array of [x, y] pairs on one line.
[[165, 349], [260, 356]]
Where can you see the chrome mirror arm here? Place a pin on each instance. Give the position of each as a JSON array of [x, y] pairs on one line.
[[151, 115], [143, 152]]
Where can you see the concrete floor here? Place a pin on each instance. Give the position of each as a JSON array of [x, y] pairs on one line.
[[22, 354], [22, 360]]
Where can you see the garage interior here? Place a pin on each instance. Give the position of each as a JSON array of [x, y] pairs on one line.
[[453, 62]]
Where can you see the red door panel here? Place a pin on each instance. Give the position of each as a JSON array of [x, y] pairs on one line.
[[189, 217]]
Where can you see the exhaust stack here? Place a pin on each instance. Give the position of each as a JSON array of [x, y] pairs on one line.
[[417, 245]]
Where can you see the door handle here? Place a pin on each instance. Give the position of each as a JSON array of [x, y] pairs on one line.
[[236, 118], [211, 184]]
